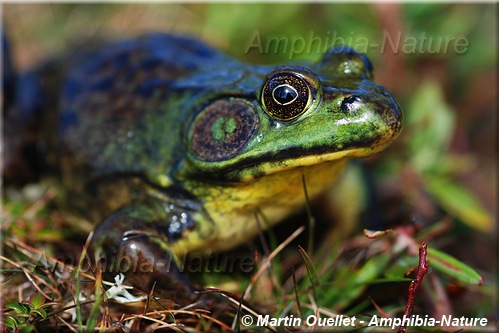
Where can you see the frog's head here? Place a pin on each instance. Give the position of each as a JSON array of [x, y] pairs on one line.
[[301, 117]]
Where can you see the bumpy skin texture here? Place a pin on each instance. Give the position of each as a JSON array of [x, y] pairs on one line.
[[180, 145]]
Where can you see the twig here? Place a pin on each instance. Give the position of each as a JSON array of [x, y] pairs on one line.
[[415, 284], [267, 260]]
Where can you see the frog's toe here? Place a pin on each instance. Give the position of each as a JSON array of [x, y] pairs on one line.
[[178, 221]]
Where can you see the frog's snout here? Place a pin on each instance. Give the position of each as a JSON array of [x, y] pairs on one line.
[[391, 113], [384, 105]]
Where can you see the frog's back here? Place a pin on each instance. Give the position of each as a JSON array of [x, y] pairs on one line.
[[116, 112]]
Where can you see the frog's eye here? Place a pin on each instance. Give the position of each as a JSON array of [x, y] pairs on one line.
[[223, 129], [286, 96]]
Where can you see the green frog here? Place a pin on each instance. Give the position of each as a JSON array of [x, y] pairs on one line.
[[173, 147]]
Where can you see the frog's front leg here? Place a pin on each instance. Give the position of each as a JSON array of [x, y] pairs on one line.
[[135, 240]]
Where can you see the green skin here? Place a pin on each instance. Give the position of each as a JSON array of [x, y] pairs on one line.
[[180, 145]]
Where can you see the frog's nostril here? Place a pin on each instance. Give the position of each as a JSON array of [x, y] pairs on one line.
[[350, 103]]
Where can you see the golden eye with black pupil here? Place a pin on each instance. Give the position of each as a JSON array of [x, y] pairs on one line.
[[286, 96]]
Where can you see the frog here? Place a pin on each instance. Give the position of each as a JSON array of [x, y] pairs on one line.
[[172, 147]]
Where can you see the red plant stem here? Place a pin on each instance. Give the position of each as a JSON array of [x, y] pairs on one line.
[[415, 284]]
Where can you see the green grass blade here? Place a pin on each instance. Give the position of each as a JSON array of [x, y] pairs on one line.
[[453, 267]]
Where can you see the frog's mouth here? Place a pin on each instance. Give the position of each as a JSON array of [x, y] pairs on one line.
[[271, 166], [267, 163]]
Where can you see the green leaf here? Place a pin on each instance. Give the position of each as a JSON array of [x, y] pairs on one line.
[[311, 270], [453, 267], [93, 318], [371, 269], [400, 267], [26, 328], [357, 281], [37, 300], [41, 312], [459, 202], [11, 322], [19, 308], [431, 123]]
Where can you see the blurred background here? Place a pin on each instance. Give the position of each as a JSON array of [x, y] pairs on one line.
[[438, 60]]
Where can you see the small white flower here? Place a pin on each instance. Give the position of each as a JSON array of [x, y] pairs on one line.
[[119, 293]]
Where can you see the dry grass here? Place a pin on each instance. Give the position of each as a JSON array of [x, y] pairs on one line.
[[362, 277]]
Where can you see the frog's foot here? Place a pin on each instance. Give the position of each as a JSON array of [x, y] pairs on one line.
[[133, 241], [179, 221]]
